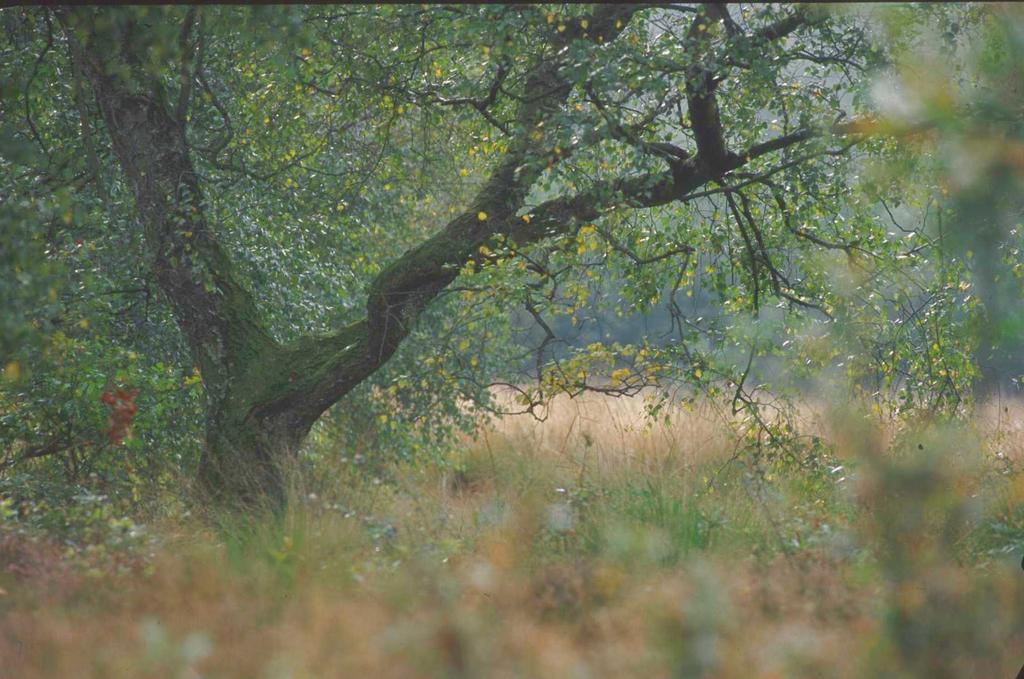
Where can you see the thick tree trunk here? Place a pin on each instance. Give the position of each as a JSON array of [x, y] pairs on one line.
[[245, 460], [254, 431]]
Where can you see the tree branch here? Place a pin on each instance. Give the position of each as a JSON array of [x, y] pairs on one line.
[[327, 368], [185, 75], [216, 313]]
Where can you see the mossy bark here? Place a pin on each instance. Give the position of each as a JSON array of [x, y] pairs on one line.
[[244, 461]]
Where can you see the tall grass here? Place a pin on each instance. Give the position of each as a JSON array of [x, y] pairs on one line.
[[593, 544]]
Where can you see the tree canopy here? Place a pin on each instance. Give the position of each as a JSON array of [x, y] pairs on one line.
[[251, 214]]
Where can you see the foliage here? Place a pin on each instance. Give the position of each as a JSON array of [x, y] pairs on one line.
[[328, 141]]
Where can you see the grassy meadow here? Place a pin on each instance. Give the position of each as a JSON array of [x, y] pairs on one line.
[[592, 544]]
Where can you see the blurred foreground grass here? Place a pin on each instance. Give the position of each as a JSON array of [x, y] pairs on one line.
[[589, 545]]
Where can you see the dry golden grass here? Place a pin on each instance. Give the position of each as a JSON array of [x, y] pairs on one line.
[[612, 430], [589, 545]]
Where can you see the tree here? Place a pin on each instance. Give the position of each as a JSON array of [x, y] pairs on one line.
[[592, 115]]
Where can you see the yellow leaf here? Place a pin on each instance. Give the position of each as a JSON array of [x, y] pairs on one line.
[[697, 372], [620, 375], [12, 371], [84, 323]]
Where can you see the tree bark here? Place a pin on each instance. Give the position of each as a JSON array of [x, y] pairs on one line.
[[245, 459]]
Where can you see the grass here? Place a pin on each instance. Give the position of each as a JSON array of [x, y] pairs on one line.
[[589, 545]]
